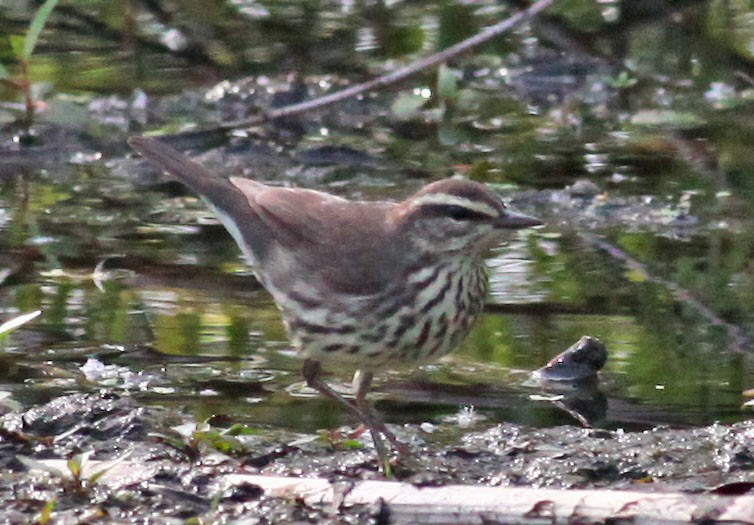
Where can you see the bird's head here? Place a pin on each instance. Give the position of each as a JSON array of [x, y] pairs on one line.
[[457, 216]]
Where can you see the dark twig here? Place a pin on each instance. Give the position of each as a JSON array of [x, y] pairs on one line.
[[399, 75]]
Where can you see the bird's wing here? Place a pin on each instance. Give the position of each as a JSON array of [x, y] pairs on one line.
[[292, 234], [325, 232], [294, 215]]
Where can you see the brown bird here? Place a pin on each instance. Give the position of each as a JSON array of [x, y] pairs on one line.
[[363, 283]]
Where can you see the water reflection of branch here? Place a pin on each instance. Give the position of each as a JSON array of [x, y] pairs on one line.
[[399, 75], [541, 308], [740, 340]]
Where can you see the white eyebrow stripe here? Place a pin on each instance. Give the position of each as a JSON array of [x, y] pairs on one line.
[[446, 199]]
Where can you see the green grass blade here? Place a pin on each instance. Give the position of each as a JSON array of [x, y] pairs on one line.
[[40, 19], [17, 45]]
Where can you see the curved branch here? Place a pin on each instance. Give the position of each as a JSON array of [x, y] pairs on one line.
[[396, 76]]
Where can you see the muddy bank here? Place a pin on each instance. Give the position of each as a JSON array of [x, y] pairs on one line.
[[102, 457]]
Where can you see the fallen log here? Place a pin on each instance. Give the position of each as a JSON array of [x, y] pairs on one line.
[[399, 502], [482, 505]]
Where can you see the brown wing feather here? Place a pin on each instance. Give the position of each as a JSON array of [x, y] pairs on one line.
[[324, 231], [293, 234], [294, 215]]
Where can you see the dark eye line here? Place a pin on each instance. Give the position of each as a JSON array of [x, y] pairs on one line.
[[455, 212]]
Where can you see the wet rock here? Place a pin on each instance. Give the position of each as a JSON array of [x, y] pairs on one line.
[[584, 188], [579, 363]]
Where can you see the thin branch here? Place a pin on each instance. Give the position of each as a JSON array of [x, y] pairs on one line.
[[399, 75]]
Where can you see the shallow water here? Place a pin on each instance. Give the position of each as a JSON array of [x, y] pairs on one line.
[[172, 303]]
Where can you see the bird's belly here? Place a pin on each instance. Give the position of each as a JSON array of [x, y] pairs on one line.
[[412, 324]]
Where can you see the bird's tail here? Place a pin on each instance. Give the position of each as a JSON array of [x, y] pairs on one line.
[[179, 165], [225, 199]]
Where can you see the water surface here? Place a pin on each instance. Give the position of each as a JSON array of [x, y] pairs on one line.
[[130, 269]]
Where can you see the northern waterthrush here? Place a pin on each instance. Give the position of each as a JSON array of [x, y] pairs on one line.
[[368, 283]]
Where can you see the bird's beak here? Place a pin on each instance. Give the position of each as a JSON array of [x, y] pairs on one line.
[[516, 221]]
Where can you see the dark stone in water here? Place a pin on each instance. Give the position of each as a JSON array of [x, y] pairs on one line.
[[578, 363]]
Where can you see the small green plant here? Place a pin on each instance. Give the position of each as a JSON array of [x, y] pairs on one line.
[[45, 517], [338, 439], [622, 81], [23, 47], [80, 478], [194, 438]]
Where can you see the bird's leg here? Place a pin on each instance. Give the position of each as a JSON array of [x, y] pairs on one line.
[[312, 374], [361, 382]]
